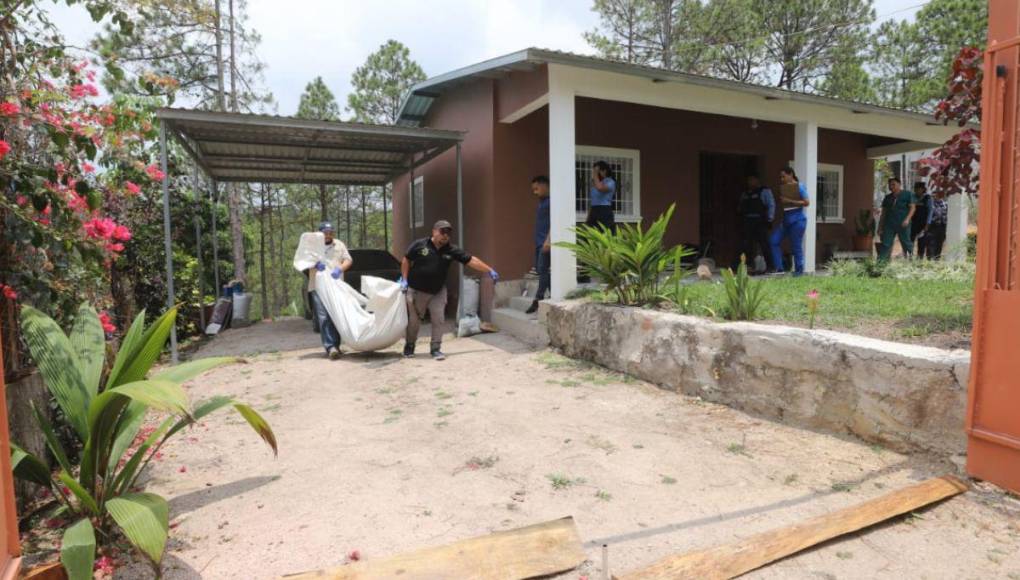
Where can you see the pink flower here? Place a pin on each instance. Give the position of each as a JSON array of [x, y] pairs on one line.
[[21, 200], [104, 565], [5, 148], [87, 167], [354, 555], [132, 188], [812, 295], [183, 469], [154, 173], [121, 233], [107, 323], [8, 109], [47, 210], [100, 228], [9, 292], [82, 90], [77, 203], [115, 247]]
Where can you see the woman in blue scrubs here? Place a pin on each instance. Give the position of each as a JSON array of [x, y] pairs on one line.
[[793, 225]]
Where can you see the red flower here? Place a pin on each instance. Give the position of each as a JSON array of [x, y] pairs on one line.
[[5, 147], [8, 109], [9, 292], [107, 323], [21, 200], [115, 247], [122, 233], [154, 173], [132, 188], [354, 555], [104, 565], [87, 167], [183, 469]]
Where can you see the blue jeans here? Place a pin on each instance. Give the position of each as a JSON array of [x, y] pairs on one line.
[[793, 226], [330, 337], [544, 273]]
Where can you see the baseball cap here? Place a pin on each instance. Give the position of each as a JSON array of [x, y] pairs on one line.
[[442, 225], [326, 226]]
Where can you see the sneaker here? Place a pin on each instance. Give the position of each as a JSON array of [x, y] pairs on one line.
[[334, 354], [438, 355], [408, 350], [533, 308]]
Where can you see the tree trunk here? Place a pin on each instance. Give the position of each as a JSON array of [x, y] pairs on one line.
[[323, 203], [364, 218], [236, 232], [262, 254], [274, 264], [283, 267], [221, 100], [233, 61]]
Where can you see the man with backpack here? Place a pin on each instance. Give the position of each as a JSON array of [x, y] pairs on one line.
[[757, 209]]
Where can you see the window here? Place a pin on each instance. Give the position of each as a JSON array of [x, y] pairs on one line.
[[626, 165], [830, 193], [417, 196]]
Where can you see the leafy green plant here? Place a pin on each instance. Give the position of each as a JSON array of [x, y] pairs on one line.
[[743, 296], [99, 492], [865, 222], [632, 261]]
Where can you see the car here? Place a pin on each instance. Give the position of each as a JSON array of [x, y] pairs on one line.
[[378, 263]]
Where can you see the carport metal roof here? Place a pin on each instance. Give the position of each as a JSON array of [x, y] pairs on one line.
[[247, 148], [238, 147]]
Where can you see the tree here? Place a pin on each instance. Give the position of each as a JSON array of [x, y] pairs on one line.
[[618, 35], [946, 26], [381, 83], [737, 47], [847, 79], [318, 102], [952, 168], [904, 78], [803, 38]]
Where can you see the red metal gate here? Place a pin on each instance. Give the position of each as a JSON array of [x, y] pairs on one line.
[[993, 410]]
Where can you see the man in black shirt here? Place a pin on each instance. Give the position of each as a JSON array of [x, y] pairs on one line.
[[424, 269]]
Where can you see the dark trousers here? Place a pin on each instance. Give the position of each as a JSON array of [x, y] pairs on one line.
[[935, 239], [602, 214], [330, 337], [544, 273], [920, 239], [754, 238]]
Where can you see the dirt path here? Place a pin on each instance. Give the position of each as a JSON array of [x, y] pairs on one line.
[[382, 455]]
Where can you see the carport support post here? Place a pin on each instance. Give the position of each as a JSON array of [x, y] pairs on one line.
[[214, 192], [167, 247], [460, 239], [805, 163], [562, 187]]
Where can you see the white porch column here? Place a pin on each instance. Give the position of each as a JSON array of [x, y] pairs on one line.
[[805, 163], [561, 183], [956, 229]]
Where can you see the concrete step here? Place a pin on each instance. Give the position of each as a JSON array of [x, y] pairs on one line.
[[524, 327], [521, 303]]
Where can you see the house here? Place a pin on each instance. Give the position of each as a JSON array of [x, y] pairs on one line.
[[673, 138]]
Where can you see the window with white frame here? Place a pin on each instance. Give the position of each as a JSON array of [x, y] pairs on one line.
[[626, 166], [830, 193], [417, 198]]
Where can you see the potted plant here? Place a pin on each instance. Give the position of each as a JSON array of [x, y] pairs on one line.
[[865, 234]]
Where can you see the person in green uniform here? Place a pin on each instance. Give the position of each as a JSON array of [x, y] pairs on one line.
[[897, 211]]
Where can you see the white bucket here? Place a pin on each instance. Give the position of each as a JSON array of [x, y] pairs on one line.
[[470, 297], [242, 304]]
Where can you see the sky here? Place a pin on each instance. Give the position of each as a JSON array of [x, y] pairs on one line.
[[302, 39]]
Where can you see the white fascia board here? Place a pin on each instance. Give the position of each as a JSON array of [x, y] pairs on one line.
[[611, 86]]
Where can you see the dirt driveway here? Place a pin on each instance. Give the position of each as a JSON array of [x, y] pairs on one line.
[[382, 455]]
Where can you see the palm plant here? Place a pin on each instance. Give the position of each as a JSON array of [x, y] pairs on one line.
[[100, 490], [743, 296], [632, 261]]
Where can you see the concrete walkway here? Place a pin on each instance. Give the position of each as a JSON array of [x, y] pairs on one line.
[[382, 455]]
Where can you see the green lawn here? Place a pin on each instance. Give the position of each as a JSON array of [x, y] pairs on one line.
[[923, 311]]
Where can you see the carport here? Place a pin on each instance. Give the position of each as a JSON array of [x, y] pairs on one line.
[[246, 148]]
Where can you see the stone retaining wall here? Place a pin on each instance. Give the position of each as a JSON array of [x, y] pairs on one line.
[[910, 398]]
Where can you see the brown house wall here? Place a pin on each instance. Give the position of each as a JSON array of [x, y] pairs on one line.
[[501, 159]]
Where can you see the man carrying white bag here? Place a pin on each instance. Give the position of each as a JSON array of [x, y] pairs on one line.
[[369, 322]]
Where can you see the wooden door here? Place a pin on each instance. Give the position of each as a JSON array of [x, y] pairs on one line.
[[993, 409], [723, 178]]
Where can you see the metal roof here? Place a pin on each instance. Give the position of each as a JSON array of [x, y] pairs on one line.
[[420, 97], [242, 147]]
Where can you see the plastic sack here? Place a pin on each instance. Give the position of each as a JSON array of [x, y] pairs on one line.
[[470, 297], [469, 325], [373, 321]]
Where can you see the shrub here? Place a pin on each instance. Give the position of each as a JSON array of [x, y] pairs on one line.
[[99, 492], [632, 261], [865, 222], [743, 295], [935, 270]]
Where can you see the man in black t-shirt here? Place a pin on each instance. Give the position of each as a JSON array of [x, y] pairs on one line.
[[424, 269]]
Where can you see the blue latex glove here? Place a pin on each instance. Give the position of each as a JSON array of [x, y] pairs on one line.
[[337, 273], [320, 266], [494, 275], [403, 284]]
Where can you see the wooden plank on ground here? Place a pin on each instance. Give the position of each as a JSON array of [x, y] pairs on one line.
[[538, 550], [732, 560]]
